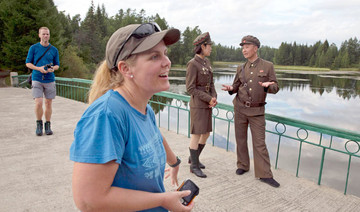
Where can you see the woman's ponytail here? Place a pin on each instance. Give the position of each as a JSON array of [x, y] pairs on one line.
[[101, 82]]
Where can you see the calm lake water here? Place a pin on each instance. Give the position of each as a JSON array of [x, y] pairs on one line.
[[328, 98]]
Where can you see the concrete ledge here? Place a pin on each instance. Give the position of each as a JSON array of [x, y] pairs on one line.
[[3, 75]]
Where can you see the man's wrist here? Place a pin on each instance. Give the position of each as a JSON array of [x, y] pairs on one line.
[[178, 161]]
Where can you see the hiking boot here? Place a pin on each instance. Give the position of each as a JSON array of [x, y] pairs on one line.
[[39, 127], [48, 129]]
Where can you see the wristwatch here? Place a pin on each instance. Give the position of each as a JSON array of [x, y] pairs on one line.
[[178, 161]]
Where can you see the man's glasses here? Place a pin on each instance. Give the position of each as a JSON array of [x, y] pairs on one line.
[[142, 31]]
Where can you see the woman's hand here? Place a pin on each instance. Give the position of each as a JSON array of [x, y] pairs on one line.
[[172, 173], [172, 201], [213, 102]]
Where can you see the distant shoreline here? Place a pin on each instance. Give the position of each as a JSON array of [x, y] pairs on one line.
[[221, 65]]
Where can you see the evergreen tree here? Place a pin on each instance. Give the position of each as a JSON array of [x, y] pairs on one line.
[[313, 53], [321, 60], [352, 47], [330, 55], [85, 40], [283, 55], [189, 36], [160, 21], [305, 55], [21, 21], [2, 37], [267, 53], [345, 60], [73, 66], [297, 55], [175, 53], [320, 52], [312, 61], [337, 62]]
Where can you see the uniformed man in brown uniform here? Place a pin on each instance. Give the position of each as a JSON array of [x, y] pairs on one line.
[[252, 82], [200, 85]]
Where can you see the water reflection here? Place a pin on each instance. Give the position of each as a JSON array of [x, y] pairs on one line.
[[330, 98], [345, 83]]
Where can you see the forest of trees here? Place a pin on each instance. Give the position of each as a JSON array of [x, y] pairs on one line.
[[81, 43]]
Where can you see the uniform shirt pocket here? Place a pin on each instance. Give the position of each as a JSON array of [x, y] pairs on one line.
[[262, 73]]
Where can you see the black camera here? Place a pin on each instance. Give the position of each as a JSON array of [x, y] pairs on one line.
[[189, 185], [47, 66]]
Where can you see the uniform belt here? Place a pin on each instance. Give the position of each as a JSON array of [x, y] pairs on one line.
[[253, 104], [204, 87]]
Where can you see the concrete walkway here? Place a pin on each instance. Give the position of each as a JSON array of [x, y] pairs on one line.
[[35, 172]]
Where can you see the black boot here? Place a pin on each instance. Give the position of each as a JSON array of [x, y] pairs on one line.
[[47, 128], [200, 148], [39, 127], [194, 167]]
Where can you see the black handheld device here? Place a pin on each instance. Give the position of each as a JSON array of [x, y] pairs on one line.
[[189, 185], [47, 66]]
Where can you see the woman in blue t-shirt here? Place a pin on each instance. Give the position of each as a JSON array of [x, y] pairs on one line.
[[119, 152]]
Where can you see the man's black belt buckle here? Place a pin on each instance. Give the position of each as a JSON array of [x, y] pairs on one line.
[[247, 104]]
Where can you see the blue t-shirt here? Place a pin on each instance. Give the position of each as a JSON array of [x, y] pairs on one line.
[[110, 129], [51, 56]]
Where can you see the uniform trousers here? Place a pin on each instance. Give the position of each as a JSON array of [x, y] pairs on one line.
[[260, 152]]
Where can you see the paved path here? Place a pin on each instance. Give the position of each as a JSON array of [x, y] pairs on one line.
[[35, 172]]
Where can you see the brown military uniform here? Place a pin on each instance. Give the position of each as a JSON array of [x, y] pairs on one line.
[[200, 85], [249, 110]]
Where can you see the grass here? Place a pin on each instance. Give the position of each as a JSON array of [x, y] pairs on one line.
[[178, 66], [300, 68], [221, 64]]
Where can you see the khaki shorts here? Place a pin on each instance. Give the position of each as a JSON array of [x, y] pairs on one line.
[[39, 90]]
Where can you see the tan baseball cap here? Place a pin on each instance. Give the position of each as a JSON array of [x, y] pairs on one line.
[[123, 42], [249, 39]]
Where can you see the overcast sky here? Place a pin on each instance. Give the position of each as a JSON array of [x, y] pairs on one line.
[[272, 21]]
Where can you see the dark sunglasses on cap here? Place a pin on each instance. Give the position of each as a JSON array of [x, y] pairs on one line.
[[142, 31]]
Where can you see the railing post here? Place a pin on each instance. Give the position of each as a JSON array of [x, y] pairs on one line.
[[169, 118], [347, 175], [228, 137], [299, 157], [14, 79], [178, 120], [189, 124], [213, 139], [277, 152], [320, 138], [321, 166]]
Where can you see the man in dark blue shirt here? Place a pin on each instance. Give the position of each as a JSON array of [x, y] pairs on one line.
[[43, 59]]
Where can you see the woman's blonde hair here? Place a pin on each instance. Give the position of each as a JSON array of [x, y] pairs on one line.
[[106, 79]]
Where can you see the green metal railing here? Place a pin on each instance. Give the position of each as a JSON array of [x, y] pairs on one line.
[[71, 88], [319, 136]]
